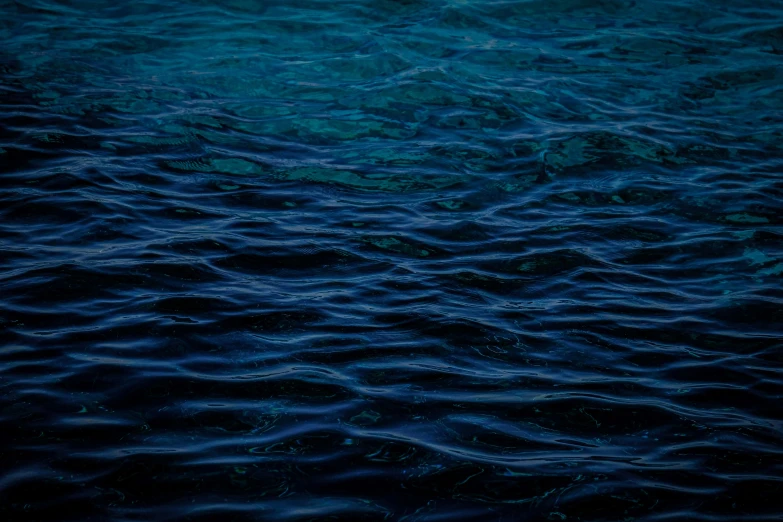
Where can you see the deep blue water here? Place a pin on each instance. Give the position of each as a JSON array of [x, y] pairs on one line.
[[408, 260]]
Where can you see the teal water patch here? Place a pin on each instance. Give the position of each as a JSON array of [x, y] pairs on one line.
[[771, 271], [746, 218], [756, 257]]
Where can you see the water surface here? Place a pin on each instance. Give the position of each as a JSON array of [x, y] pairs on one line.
[[403, 260]]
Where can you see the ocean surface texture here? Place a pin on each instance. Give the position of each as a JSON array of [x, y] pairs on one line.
[[412, 260]]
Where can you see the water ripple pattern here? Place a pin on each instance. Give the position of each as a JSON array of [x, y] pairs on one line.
[[408, 260]]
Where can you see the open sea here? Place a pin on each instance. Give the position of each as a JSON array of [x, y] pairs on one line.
[[412, 260]]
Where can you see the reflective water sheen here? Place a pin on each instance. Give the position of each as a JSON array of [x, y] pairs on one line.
[[402, 260]]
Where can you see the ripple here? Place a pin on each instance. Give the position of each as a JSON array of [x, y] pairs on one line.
[[403, 260]]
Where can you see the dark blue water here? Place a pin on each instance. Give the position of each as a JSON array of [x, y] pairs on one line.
[[408, 260]]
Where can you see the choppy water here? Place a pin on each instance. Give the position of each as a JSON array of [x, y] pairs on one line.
[[402, 260]]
